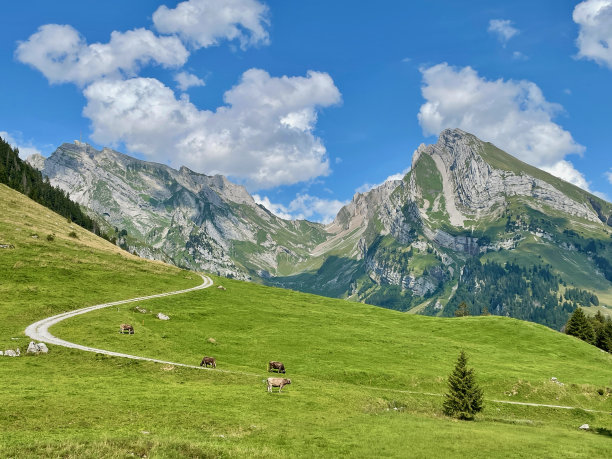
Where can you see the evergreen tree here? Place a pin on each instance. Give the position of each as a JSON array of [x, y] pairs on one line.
[[462, 310], [464, 398], [579, 326]]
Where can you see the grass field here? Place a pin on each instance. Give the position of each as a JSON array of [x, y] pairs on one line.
[[366, 381]]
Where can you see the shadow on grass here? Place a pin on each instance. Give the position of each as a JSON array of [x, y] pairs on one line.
[[603, 431]]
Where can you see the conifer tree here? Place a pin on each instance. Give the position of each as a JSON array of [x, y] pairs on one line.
[[579, 326], [464, 398], [462, 310]]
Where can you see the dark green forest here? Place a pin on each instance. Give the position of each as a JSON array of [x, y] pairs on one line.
[[19, 175]]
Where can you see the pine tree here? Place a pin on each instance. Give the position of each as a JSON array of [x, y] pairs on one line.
[[462, 310], [464, 398], [579, 326]]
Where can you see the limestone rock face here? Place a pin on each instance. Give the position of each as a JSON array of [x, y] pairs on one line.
[[180, 216]]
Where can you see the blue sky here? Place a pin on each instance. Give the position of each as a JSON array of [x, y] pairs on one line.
[[307, 102]]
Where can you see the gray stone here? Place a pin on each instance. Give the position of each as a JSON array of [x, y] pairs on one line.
[[162, 316], [584, 427]]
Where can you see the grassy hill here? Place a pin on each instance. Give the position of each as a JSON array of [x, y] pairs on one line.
[[365, 381]]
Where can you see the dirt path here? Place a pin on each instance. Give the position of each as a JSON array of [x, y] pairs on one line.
[[39, 331]]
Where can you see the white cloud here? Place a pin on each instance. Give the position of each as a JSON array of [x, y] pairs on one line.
[[609, 176], [594, 18], [25, 148], [519, 56], [62, 54], [566, 171], [262, 136], [503, 29], [277, 209], [514, 115], [204, 23], [304, 207], [369, 186], [188, 80]]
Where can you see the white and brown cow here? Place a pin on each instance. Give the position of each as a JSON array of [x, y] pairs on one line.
[[277, 382], [126, 328]]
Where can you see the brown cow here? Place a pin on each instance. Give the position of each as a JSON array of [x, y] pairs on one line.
[[277, 382], [209, 361], [126, 328], [278, 366]]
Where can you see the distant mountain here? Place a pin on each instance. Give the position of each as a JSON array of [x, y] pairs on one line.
[[469, 222], [191, 220]]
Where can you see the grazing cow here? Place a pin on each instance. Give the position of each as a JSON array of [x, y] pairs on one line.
[[123, 328], [208, 361], [277, 382], [278, 366]]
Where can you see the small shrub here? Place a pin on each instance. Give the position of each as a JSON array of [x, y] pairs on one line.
[[50, 237], [73, 234]]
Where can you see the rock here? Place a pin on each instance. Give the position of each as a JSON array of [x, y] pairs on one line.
[[1, 353], [34, 348], [12, 353], [221, 287], [140, 310], [162, 316], [7, 246], [553, 379], [584, 427], [212, 340]]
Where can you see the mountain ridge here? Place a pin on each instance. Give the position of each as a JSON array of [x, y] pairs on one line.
[[404, 244]]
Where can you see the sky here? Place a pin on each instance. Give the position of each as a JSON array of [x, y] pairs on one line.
[[308, 102]]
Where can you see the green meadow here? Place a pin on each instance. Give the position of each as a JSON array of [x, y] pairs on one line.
[[366, 382]]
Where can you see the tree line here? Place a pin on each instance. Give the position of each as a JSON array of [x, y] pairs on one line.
[[20, 176]]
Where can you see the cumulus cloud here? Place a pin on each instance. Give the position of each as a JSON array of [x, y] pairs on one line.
[[369, 186], [186, 80], [514, 115], [304, 207], [609, 176], [594, 18], [264, 135], [63, 55], [503, 29], [25, 148], [565, 170], [204, 23]]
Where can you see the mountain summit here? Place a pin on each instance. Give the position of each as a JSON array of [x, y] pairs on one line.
[[469, 222]]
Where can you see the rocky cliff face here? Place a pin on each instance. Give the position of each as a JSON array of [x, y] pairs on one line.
[[183, 217], [402, 244]]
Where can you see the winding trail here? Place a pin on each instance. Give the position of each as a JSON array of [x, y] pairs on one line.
[[39, 331]]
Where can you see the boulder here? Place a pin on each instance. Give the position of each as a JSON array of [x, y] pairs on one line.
[[162, 316], [584, 427], [34, 348], [12, 353]]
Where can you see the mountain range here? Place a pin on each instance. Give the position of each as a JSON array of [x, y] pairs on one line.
[[468, 223]]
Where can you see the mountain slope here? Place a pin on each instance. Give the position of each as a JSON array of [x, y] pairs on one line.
[[465, 208], [356, 370], [192, 220]]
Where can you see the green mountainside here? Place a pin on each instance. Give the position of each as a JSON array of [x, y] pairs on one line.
[[366, 381], [465, 220]]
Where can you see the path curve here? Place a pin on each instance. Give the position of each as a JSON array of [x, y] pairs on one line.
[[39, 331]]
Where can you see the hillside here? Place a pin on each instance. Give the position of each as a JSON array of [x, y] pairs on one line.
[[421, 244], [357, 371]]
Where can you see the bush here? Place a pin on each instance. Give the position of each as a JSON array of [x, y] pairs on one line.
[[50, 237], [73, 234]]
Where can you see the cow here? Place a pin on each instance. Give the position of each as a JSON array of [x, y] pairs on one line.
[[208, 361], [126, 328], [277, 382], [278, 366]]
